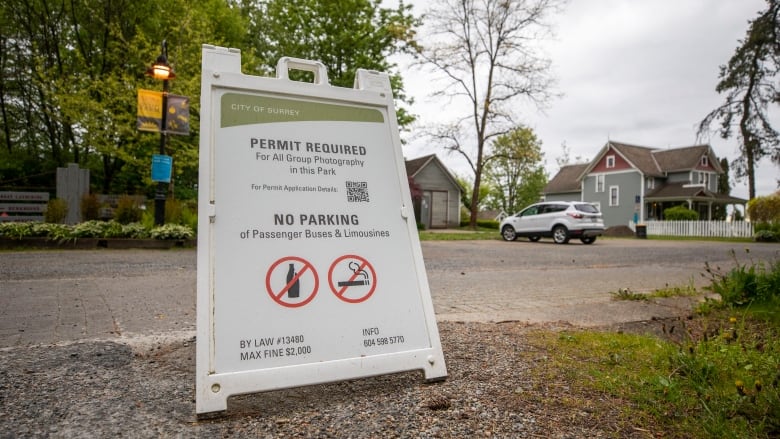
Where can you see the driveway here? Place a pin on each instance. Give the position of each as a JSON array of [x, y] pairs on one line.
[[56, 296]]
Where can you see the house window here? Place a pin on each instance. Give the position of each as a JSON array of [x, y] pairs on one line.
[[650, 183], [610, 161], [704, 179], [614, 196], [705, 161], [600, 183]]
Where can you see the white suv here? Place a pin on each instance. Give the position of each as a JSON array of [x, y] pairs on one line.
[[560, 220]]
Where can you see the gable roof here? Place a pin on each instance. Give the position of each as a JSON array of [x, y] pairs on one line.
[[655, 162], [414, 166], [652, 162], [683, 159], [566, 180]]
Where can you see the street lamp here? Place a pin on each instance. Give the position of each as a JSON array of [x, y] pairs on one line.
[[163, 71]]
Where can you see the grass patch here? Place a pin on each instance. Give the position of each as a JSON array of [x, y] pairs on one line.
[[720, 382], [718, 375], [668, 291], [461, 234]]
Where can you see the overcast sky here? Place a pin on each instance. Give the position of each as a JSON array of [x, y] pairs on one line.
[[639, 72]]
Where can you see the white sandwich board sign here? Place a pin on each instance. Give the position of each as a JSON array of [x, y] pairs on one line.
[[309, 264]]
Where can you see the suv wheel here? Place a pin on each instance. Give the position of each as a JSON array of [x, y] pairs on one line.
[[560, 235], [508, 233], [588, 240]]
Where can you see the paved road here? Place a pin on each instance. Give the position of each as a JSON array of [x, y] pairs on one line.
[[59, 296]]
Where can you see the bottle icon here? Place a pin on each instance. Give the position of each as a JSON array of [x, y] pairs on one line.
[[295, 289]]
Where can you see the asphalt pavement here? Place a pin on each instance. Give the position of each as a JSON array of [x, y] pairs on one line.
[[62, 296]]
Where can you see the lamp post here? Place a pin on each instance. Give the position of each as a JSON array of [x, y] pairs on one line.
[[162, 70]]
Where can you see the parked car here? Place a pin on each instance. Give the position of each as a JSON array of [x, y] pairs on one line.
[[559, 220]]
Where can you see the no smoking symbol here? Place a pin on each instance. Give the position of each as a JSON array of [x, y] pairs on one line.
[[352, 278], [292, 282]]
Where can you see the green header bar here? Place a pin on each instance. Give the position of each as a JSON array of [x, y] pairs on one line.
[[243, 109]]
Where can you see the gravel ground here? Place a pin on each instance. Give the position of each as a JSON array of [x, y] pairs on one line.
[[145, 388]]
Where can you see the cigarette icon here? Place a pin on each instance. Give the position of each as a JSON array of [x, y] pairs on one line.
[[354, 283], [355, 267]]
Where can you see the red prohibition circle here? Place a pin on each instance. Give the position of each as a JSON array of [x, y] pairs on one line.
[[277, 296], [340, 292]]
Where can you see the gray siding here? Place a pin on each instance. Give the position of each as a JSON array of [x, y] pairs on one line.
[[433, 178], [679, 177], [629, 184]]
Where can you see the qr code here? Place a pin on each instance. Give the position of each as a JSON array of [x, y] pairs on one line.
[[357, 192]]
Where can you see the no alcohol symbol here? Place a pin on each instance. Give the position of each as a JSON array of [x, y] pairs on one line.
[[292, 282]]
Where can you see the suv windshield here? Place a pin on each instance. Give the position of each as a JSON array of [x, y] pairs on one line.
[[587, 208]]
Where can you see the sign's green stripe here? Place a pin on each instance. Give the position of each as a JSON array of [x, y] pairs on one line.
[[243, 109]]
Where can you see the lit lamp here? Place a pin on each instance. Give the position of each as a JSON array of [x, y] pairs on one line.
[[163, 71]]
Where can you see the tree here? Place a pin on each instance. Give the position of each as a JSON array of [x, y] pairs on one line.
[[748, 80], [484, 50], [466, 186], [342, 34], [724, 185], [70, 73], [515, 171]]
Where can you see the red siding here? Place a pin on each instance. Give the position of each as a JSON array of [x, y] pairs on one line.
[[620, 163], [709, 167]]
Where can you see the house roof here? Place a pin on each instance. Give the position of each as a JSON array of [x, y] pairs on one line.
[[414, 166], [566, 180], [682, 159], [654, 162], [686, 191], [641, 157]]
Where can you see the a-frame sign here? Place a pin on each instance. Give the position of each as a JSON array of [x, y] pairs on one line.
[[309, 263]]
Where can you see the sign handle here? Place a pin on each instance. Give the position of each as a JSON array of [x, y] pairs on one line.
[[318, 68]]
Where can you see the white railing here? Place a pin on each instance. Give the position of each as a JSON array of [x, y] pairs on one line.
[[719, 229]]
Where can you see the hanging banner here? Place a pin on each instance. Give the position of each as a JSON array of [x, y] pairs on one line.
[[177, 121], [149, 111], [309, 264]]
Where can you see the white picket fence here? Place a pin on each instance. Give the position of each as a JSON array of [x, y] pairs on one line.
[[718, 229]]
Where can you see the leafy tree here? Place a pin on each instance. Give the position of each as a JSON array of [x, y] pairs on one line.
[[515, 171], [724, 185], [484, 50], [466, 186], [749, 83], [70, 72], [345, 35]]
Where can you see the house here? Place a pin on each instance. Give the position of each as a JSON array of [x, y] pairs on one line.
[[636, 183], [439, 205]]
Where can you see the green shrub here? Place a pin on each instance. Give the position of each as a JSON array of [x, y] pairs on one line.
[[90, 207], [766, 236], [56, 211], [488, 224], [764, 209], [746, 283], [173, 211], [97, 229], [135, 231], [172, 231], [127, 211], [189, 216], [16, 230], [680, 213]]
